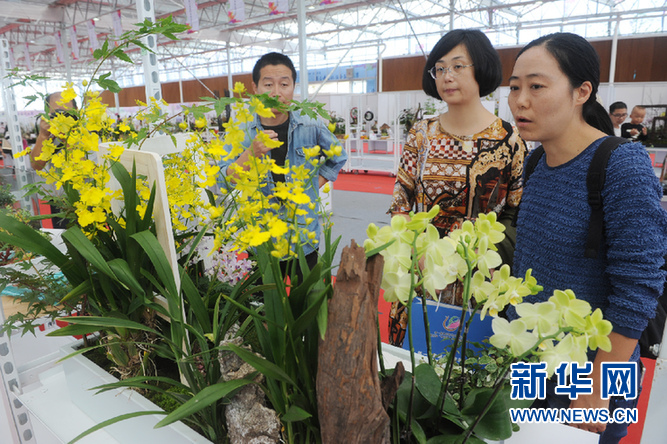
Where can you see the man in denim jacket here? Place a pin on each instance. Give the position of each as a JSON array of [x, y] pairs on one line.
[[274, 74]]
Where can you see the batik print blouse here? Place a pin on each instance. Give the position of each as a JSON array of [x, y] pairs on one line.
[[464, 175]]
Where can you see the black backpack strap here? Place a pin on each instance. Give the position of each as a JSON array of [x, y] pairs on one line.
[[597, 173], [528, 169]]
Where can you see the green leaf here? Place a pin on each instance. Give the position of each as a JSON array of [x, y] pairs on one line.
[[305, 321], [267, 368], [114, 420], [295, 414], [122, 271], [124, 57], [152, 247], [29, 239], [74, 330], [377, 250], [203, 399], [86, 249], [495, 424], [136, 380], [427, 382], [128, 185], [195, 300], [107, 323], [421, 407], [418, 432], [81, 289]]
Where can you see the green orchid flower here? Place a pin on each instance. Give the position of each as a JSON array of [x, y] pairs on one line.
[[465, 234], [542, 316], [487, 226], [597, 330], [437, 277], [514, 334], [530, 282], [572, 309], [396, 286], [487, 258], [420, 221], [397, 256], [481, 288], [430, 245]]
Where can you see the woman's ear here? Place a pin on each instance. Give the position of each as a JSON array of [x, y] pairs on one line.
[[583, 92]]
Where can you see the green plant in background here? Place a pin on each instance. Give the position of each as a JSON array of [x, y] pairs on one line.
[[430, 107], [115, 265], [339, 123], [407, 118], [107, 274], [453, 398], [287, 330], [40, 287], [188, 340]]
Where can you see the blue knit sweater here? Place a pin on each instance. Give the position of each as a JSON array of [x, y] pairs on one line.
[[624, 280]]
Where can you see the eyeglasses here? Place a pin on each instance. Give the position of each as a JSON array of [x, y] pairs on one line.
[[439, 71], [620, 115]]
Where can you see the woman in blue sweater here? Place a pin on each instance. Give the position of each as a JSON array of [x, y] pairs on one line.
[[553, 91]]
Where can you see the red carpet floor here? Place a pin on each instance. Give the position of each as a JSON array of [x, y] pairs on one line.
[[365, 183]]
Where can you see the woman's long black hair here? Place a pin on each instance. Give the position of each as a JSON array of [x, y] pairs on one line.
[[580, 62]]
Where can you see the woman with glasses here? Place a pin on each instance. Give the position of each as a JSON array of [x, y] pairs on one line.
[[466, 160]]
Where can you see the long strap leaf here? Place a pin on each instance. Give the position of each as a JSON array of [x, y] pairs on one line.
[[154, 250], [267, 368], [203, 399], [114, 420], [27, 238], [85, 247]]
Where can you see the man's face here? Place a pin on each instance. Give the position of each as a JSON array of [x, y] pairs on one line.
[[55, 106], [618, 116], [276, 80]]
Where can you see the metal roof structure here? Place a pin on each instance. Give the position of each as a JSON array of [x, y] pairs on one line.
[[343, 32]]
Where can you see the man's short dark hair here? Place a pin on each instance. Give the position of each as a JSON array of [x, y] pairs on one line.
[[272, 58], [487, 68], [617, 105]]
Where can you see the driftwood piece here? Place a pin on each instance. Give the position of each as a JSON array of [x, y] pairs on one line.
[[391, 384], [349, 396]]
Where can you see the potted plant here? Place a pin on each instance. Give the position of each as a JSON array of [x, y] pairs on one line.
[[116, 265], [339, 128], [464, 395], [407, 118]]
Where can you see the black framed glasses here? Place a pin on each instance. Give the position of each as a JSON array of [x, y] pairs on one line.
[[620, 115], [439, 71]]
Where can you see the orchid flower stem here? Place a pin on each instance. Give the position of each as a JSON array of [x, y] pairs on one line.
[[452, 355], [450, 363], [414, 269], [412, 362], [383, 371], [466, 325], [427, 332], [486, 408]]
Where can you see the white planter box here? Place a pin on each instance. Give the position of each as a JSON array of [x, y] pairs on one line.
[[63, 401]]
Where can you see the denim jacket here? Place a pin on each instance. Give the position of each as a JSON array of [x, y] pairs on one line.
[[303, 132]]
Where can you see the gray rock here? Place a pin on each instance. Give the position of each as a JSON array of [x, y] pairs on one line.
[[249, 421]]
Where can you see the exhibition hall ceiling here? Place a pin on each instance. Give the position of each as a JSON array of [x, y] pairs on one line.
[[344, 32]]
